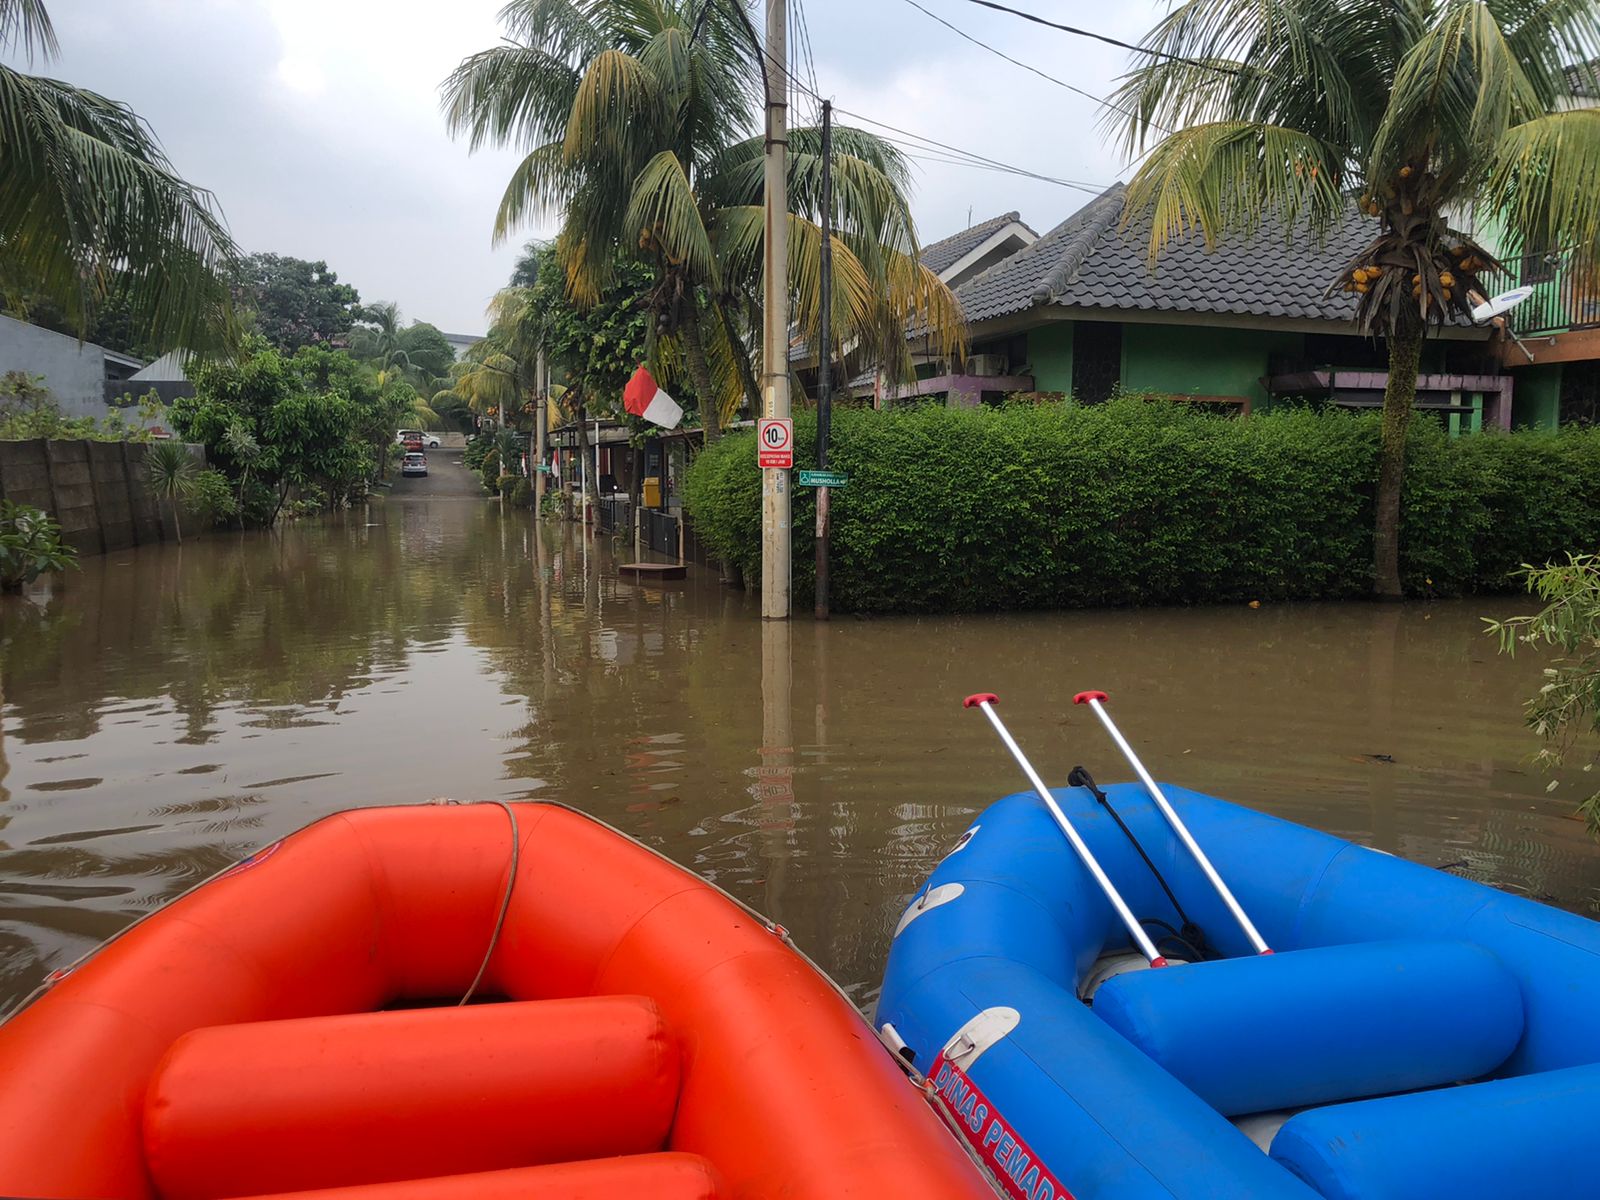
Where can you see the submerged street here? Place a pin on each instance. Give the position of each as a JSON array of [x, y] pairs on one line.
[[171, 709]]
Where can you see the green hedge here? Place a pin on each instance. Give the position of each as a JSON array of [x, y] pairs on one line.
[[1141, 502]]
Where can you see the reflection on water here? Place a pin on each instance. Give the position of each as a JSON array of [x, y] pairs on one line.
[[173, 708]]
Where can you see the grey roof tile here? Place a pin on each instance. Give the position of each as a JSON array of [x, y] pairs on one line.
[[948, 251], [1089, 261]]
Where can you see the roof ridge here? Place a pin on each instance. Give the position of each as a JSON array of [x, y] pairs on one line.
[[1095, 218], [1003, 219]]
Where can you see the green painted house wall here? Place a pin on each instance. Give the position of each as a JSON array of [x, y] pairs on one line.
[[1536, 397], [1197, 361], [1186, 359], [1050, 355]]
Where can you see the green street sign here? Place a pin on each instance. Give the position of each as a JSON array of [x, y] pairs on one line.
[[829, 479]]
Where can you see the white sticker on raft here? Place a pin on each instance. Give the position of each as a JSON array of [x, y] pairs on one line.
[[931, 898], [978, 1034]]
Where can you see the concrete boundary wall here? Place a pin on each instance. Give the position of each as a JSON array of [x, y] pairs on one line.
[[96, 491]]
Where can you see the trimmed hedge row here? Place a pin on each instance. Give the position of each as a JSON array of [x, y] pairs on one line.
[[1149, 502]]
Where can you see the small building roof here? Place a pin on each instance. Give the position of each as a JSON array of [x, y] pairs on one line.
[[1091, 261], [946, 252], [166, 369]]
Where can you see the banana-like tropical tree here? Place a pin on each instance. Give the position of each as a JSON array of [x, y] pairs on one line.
[[90, 205], [638, 120], [1410, 110]]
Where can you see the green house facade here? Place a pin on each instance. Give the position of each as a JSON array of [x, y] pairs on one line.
[[1245, 325]]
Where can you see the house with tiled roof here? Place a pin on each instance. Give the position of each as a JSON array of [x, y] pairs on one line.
[[1245, 324], [961, 256]]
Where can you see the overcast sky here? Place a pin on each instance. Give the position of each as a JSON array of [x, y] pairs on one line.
[[316, 122]]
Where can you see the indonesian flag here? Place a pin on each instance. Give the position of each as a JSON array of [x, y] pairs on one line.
[[643, 397]]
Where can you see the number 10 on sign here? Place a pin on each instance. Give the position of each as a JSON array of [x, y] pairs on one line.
[[775, 443]]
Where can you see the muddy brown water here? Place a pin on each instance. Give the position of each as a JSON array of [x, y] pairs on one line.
[[167, 710]]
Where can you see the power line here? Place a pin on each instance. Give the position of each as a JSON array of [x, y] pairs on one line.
[[1101, 100], [974, 159], [963, 157], [1110, 41]]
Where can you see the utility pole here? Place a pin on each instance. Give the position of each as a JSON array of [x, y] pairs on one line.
[[775, 531], [824, 359], [541, 387]]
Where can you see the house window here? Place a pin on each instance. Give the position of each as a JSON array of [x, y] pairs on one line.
[[1096, 360]]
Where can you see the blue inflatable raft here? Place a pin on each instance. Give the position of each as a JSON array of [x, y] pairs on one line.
[[1413, 1034]]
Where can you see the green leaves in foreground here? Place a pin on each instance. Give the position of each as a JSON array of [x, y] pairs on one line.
[[1567, 705], [30, 545]]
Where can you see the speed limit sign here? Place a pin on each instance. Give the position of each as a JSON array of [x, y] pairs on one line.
[[775, 443]]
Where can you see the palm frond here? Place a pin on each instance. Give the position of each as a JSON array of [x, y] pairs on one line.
[[616, 93], [1227, 176], [509, 95], [87, 195], [1545, 180], [25, 25], [665, 212], [1460, 86]]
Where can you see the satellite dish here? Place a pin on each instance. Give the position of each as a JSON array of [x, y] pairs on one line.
[[1502, 303]]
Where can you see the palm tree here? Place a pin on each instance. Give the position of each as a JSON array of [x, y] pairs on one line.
[[639, 123], [380, 340], [1414, 109], [170, 473], [89, 204]]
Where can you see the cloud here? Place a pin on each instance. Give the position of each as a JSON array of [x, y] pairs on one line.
[[316, 122]]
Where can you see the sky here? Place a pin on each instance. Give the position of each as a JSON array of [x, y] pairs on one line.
[[316, 123]]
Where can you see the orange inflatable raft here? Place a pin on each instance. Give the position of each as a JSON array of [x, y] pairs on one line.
[[293, 1027]]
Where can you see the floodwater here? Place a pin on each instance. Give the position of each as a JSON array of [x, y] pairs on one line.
[[167, 710]]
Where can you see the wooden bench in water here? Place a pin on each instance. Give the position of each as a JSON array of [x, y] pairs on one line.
[[644, 572]]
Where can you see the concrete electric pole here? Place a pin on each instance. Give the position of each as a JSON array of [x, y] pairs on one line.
[[775, 509]]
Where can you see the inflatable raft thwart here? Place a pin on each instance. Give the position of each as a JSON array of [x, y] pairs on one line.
[[1413, 1034], [292, 1027]]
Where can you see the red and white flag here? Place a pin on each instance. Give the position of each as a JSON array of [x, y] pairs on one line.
[[643, 397]]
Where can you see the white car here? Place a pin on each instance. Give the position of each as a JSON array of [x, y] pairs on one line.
[[414, 464], [430, 441]]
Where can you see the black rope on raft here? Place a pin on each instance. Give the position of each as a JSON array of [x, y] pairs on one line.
[[1191, 937], [505, 902]]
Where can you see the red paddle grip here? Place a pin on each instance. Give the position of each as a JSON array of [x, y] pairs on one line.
[[1085, 697], [978, 698]]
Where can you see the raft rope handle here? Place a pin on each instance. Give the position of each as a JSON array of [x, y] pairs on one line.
[[1191, 936], [505, 902]]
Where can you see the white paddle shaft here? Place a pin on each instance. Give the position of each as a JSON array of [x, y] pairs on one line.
[[1135, 930], [1092, 699]]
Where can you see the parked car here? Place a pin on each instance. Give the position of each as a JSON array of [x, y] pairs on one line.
[[424, 441], [414, 464]]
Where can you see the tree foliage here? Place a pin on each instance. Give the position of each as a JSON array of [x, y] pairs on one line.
[[316, 421], [294, 302], [1566, 709], [638, 123], [91, 206], [1252, 109]]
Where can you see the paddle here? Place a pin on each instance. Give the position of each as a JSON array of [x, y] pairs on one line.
[[1096, 701], [986, 702]]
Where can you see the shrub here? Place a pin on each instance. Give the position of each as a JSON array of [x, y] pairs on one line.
[[1148, 502], [522, 493], [211, 496], [506, 483], [30, 545]]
